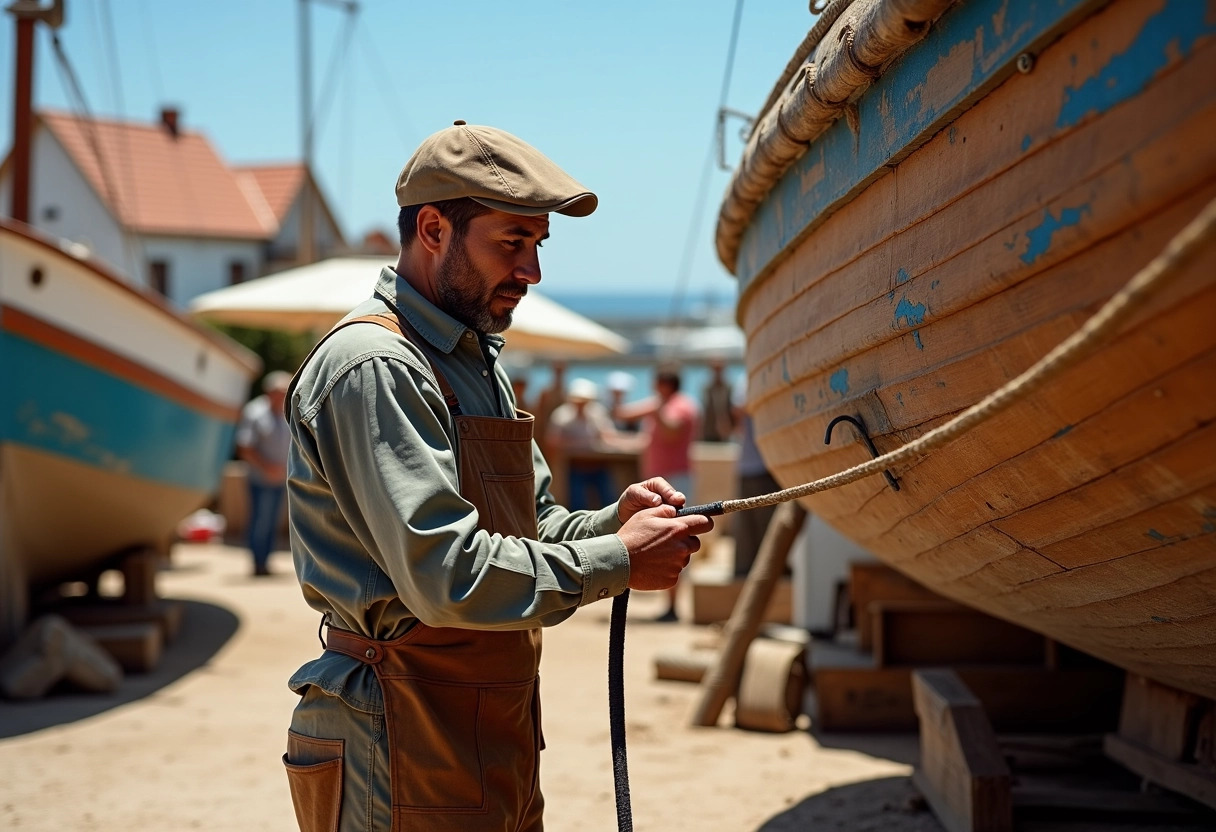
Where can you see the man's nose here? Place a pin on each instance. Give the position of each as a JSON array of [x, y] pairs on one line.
[[528, 269]]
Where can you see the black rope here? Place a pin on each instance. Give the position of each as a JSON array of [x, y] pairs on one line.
[[616, 711]]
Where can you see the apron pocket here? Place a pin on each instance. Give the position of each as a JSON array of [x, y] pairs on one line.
[[314, 773], [460, 748], [510, 500]]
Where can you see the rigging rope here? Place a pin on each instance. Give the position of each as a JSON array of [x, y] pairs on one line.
[[1184, 246]]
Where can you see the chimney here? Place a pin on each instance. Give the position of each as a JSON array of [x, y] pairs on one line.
[[168, 117]]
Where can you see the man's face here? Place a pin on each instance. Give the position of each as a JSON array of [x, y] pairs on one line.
[[484, 275]]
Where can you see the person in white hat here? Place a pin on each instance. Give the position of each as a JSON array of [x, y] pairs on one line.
[[578, 426]]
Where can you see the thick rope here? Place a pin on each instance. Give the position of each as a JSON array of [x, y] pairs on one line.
[[1185, 245]]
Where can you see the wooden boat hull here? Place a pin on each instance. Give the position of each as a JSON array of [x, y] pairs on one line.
[[968, 220], [118, 417]]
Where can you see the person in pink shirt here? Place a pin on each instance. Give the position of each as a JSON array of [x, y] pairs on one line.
[[670, 422]]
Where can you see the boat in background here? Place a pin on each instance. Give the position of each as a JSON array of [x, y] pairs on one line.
[[118, 416], [944, 193]]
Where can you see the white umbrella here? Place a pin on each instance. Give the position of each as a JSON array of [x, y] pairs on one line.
[[313, 298]]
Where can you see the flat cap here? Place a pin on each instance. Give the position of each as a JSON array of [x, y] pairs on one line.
[[494, 168]]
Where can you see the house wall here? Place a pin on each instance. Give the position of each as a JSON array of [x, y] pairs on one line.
[[199, 265], [327, 236], [63, 204]]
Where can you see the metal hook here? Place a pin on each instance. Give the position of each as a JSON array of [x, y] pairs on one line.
[[865, 437]]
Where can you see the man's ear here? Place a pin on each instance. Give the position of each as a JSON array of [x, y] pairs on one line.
[[431, 228]]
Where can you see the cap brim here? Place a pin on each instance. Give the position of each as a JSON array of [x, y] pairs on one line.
[[576, 206]]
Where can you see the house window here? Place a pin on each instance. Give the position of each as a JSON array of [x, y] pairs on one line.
[[158, 276], [236, 272]]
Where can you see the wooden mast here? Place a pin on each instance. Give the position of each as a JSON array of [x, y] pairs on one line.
[[27, 13]]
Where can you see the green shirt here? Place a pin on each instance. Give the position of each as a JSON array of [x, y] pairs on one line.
[[380, 535]]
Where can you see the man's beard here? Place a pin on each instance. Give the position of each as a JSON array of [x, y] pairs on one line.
[[466, 293]]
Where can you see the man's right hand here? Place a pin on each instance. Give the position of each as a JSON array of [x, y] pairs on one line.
[[660, 544]]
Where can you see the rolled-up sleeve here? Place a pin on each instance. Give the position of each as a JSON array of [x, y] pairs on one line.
[[383, 432]]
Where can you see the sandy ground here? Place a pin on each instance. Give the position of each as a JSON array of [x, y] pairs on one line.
[[196, 744]]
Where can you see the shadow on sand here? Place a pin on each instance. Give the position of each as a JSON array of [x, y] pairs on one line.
[[204, 630], [886, 804]]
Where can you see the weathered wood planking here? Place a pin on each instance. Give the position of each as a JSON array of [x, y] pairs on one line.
[[971, 48], [850, 270], [1088, 512]]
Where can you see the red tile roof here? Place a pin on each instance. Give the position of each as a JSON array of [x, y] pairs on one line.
[[158, 183], [279, 185]]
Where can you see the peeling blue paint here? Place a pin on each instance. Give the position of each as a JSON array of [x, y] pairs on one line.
[[899, 397], [1156, 535], [785, 371], [902, 276], [912, 314], [1062, 431], [1208, 528], [916, 339], [1026, 142], [1167, 35], [950, 135], [800, 402], [839, 382], [1039, 237], [933, 285], [1160, 620]]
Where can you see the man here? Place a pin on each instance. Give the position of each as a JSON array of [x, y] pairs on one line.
[[718, 424], [262, 441], [669, 424], [422, 525]]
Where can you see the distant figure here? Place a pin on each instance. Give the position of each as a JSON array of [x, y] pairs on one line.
[[619, 383], [719, 422], [549, 399], [583, 424], [262, 441], [754, 479], [670, 420]]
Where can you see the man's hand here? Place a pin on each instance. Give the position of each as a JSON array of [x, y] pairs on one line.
[[656, 491], [660, 544]]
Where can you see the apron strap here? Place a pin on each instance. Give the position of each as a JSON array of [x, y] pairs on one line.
[[394, 323]]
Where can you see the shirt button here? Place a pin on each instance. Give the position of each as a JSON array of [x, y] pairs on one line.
[[485, 372], [604, 592]]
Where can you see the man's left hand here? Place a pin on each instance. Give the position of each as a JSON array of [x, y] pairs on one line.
[[643, 495]]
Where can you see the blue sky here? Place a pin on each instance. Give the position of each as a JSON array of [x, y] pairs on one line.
[[623, 95]]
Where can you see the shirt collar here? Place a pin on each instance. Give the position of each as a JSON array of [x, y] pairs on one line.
[[439, 328]]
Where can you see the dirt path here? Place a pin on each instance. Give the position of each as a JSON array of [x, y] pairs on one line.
[[196, 745]]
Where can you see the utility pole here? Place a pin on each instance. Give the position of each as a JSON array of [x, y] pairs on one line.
[[307, 248], [27, 13]]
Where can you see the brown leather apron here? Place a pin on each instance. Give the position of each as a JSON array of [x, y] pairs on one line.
[[462, 707]]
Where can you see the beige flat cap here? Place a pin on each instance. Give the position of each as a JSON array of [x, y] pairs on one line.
[[494, 168]]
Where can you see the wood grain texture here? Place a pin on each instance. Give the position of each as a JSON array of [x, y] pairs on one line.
[[1088, 512]]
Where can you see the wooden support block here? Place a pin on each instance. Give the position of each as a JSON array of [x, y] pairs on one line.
[[686, 666], [962, 773], [869, 582], [712, 601], [945, 633], [166, 614], [852, 694], [139, 568], [1158, 717], [1197, 782], [770, 691], [136, 646]]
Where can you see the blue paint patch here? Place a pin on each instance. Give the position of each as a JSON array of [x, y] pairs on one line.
[[916, 339], [899, 397], [1169, 34], [800, 402], [98, 419], [839, 381], [933, 285], [902, 276], [1026, 142], [785, 371], [1156, 535], [1039, 237], [1160, 620], [1208, 528], [951, 134], [912, 314], [840, 163], [1062, 431]]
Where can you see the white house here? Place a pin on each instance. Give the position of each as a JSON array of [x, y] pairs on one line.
[[160, 205]]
